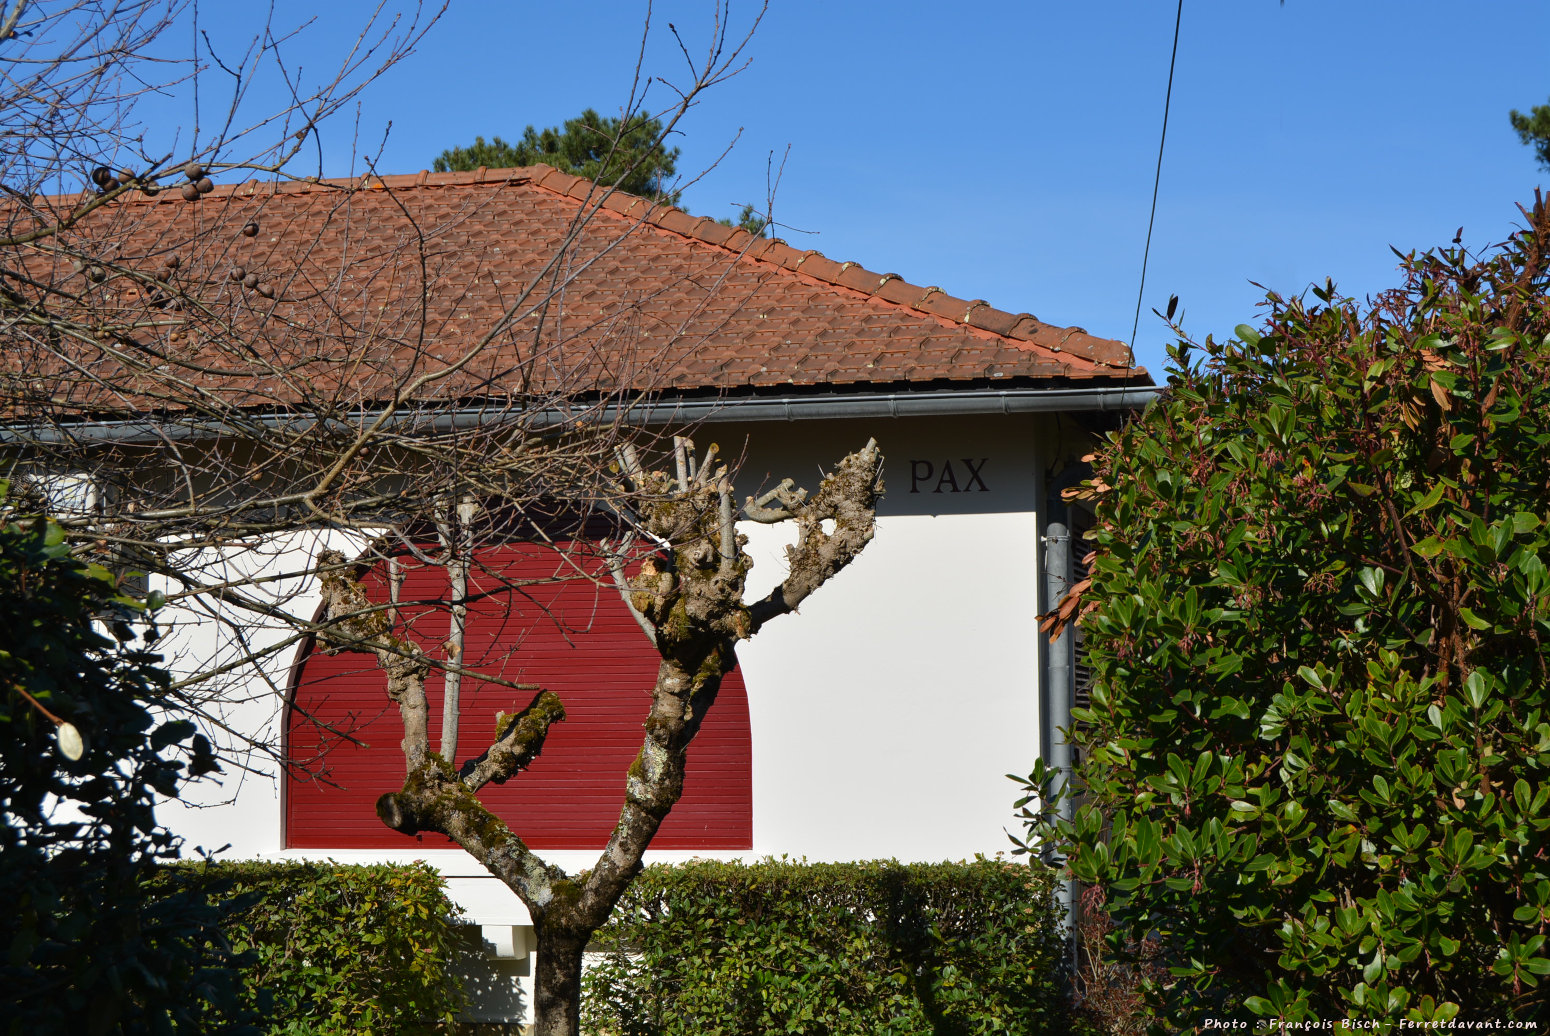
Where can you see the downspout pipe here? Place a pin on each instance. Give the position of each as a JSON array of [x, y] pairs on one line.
[[1059, 689]]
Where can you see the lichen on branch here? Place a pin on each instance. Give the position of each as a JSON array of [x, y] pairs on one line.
[[848, 497]]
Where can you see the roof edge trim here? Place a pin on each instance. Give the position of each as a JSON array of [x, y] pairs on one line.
[[148, 430]]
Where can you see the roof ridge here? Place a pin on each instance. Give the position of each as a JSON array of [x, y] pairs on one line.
[[890, 288]]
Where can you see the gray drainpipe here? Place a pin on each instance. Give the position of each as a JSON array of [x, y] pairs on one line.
[[1059, 687]]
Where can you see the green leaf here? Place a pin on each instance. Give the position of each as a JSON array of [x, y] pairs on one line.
[[1258, 1004], [1474, 621], [1477, 688], [1429, 501], [1373, 969]]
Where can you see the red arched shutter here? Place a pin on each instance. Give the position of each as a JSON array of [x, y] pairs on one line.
[[558, 632]]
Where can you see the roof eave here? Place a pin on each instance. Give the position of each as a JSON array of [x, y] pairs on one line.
[[159, 429]]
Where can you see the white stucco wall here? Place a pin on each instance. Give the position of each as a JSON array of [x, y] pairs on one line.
[[884, 716], [887, 713], [239, 812]]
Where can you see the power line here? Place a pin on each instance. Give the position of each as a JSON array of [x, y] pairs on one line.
[[1156, 182]]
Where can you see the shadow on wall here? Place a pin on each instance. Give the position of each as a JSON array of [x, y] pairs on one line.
[[496, 1004], [934, 466]]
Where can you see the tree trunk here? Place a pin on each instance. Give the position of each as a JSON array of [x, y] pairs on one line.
[[690, 601], [557, 983]]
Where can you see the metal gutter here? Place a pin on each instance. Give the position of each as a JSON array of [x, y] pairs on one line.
[[914, 404], [150, 430]]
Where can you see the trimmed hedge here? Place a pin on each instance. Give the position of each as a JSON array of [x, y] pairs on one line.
[[783, 947], [333, 948]]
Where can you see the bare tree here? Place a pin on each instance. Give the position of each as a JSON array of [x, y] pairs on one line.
[[240, 408], [207, 380], [689, 598]]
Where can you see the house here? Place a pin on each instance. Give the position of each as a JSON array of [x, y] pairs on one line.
[[879, 722]]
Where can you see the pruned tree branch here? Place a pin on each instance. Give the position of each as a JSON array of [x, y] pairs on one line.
[[456, 531], [694, 602], [622, 583], [518, 741], [434, 796], [757, 509], [434, 799], [353, 624], [847, 497]]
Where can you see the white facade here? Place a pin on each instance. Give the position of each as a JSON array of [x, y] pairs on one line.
[[884, 716]]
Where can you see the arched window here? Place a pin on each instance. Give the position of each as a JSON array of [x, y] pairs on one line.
[[554, 630]]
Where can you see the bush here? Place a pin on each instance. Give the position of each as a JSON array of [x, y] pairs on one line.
[[1319, 623], [82, 759], [334, 948], [833, 948]]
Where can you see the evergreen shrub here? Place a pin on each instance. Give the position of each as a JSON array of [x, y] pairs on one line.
[[334, 948], [1316, 765], [90, 736], [875, 947]]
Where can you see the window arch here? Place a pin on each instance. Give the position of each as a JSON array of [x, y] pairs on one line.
[[571, 635]]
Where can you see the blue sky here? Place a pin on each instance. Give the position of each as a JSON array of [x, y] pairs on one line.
[[1006, 151]]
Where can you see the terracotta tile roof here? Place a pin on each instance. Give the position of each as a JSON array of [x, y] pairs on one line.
[[373, 279]]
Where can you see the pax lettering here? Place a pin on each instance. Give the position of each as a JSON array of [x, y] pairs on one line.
[[963, 475]]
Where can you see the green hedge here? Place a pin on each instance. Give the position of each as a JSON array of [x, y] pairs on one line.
[[782, 947], [333, 948]]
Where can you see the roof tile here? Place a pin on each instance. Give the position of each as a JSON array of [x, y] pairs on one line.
[[858, 278], [894, 288], [816, 264], [938, 303], [995, 321], [657, 296], [676, 220]]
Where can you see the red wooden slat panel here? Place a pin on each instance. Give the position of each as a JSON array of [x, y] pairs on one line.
[[564, 634]]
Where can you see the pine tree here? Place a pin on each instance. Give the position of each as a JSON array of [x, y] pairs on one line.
[[1534, 130], [627, 153]]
